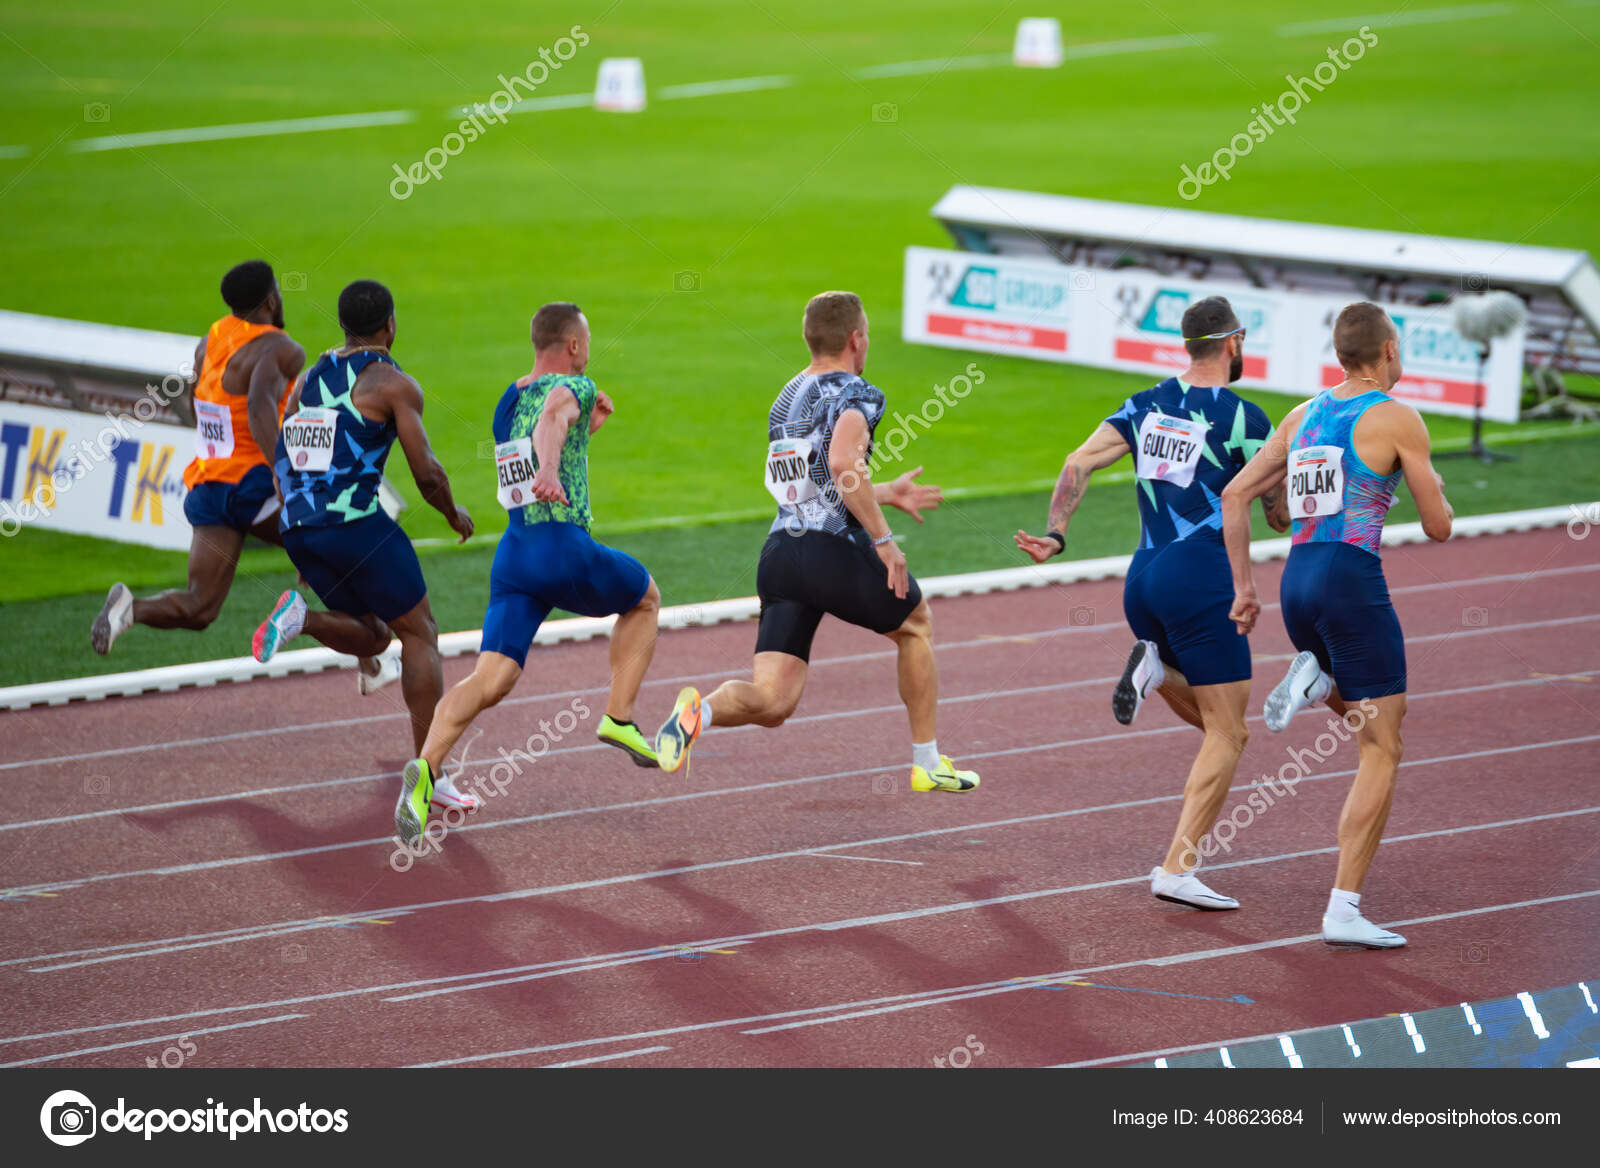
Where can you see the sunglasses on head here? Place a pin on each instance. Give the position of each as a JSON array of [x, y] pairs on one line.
[[1218, 336]]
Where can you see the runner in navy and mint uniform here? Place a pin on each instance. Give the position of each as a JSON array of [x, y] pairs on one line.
[[1339, 458], [338, 428], [1189, 435], [547, 558]]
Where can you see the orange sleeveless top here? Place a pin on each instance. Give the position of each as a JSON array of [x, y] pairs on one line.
[[224, 449]]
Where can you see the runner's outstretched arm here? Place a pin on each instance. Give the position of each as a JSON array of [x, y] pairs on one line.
[[404, 398], [1102, 449], [549, 436], [1261, 476], [909, 495]]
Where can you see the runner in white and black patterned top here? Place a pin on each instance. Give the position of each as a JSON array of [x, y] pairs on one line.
[[830, 552], [808, 409]]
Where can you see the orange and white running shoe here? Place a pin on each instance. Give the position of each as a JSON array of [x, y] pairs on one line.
[[678, 732]]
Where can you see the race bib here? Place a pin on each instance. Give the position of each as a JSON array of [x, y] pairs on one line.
[[213, 430], [789, 472], [1316, 481], [308, 438], [1170, 448], [514, 471]]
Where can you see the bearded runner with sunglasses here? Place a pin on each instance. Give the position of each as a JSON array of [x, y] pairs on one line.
[[1189, 435]]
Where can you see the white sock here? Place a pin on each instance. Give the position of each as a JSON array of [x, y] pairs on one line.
[[1344, 906], [1321, 688], [925, 755], [705, 714]]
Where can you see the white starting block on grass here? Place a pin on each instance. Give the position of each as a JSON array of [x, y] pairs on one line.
[[619, 87], [1038, 44]]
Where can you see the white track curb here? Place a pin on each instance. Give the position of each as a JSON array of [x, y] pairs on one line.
[[683, 616]]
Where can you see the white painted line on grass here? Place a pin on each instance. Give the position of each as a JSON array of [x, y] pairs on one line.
[[243, 130], [736, 85], [1396, 19]]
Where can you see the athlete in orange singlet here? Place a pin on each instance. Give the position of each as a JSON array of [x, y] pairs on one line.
[[246, 364]]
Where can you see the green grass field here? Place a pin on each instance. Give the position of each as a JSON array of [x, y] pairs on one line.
[[1471, 123]]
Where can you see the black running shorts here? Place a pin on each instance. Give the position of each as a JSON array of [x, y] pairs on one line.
[[802, 577]]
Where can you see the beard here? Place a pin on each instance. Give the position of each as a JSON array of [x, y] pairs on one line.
[[277, 315], [1236, 367]]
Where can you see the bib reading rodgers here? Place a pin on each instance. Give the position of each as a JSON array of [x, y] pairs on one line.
[[213, 430], [514, 471], [1170, 448], [1316, 481], [788, 474], [308, 438]]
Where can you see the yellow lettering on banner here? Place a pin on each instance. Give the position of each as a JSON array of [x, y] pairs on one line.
[[150, 481], [42, 454]]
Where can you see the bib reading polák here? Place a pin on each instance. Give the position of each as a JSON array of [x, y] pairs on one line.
[[308, 438], [1170, 448], [789, 472], [1316, 481], [514, 471], [213, 430]]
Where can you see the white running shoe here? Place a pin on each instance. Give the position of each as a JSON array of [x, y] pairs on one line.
[[1187, 889], [284, 625], [1141, 677], [447, 795], [1303, 686], [388, 671], [1358, 933], [116, 618]]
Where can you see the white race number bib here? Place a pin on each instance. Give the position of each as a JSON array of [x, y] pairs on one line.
[[788, 475], [213, 430], [1316, 481], [514, 471], [308, 437], [1170, 448]]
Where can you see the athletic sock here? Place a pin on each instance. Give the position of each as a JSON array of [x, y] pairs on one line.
[[705, 714], [1344, 906], [926, 755], [1320, 689]]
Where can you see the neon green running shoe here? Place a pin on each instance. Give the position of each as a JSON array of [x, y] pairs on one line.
[[627, 737], [945, 778], [680, 730], [411, 809]]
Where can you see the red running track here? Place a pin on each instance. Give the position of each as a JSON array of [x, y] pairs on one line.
[[216, 863]]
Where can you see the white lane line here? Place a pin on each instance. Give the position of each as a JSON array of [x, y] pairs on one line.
[[151, 1040], [736, 85], [913, 1001], [516, 821], [13, 151], [984, 990], [847, 659], [529, 699], [869, 859], [607, 1058], [530, 105], [1396, 19], [931, 65], [243, 130], [590, 962]]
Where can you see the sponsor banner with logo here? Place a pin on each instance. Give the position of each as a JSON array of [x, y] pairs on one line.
[[93, 474], [965, 301], [1133, 320]]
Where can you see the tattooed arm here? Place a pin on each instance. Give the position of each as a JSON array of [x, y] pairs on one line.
[[1275, 506], [1102, 449]]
